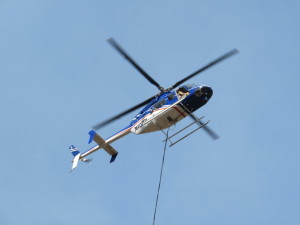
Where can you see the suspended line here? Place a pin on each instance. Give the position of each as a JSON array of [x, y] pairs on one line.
[[161, 170]]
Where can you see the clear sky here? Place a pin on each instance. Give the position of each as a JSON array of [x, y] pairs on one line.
[[59, 77]]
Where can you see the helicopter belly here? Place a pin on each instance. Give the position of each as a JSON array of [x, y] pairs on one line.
[[159, 120]]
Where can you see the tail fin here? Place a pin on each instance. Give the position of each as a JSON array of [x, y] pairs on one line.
[[74, 150], [76, 155]]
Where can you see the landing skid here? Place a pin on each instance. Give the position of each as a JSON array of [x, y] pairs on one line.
[[178, 132]]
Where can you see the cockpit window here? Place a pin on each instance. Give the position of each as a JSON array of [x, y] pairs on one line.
[[181, 91], [184, 88]]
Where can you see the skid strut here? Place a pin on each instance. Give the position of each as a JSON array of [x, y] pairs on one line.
[[180, 139]]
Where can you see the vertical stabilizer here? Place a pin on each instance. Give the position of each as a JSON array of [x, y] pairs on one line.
[[76, 155]]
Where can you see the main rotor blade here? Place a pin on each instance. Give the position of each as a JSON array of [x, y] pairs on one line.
[[126, 56], [221, 58], [118, 116], [209, 131]]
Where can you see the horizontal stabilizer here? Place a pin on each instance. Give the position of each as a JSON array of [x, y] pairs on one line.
[[102, 144], [113, 157], [110, 150], [96, 137]]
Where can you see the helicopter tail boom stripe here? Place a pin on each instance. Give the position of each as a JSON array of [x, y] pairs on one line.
[[118, 135]]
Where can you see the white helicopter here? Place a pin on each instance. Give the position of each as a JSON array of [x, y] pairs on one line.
[[162, 110]]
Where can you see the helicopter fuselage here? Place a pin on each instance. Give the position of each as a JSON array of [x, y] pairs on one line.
[[166, 110], [162, 112]]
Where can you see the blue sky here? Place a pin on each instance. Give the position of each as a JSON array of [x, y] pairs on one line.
[[59, 77]]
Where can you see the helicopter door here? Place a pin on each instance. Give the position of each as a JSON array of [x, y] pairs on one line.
[[155, 107]]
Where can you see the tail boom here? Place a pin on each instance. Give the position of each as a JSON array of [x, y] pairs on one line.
[[101, 143]]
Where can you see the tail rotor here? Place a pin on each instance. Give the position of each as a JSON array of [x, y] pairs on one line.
[[77, 157]]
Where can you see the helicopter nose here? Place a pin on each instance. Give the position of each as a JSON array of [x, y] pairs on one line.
[[205, 91]]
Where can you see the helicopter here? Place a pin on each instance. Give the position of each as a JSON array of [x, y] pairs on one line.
[[161, 111]]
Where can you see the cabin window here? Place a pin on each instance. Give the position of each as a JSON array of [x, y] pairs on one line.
[[171, 96], [159, 104]]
